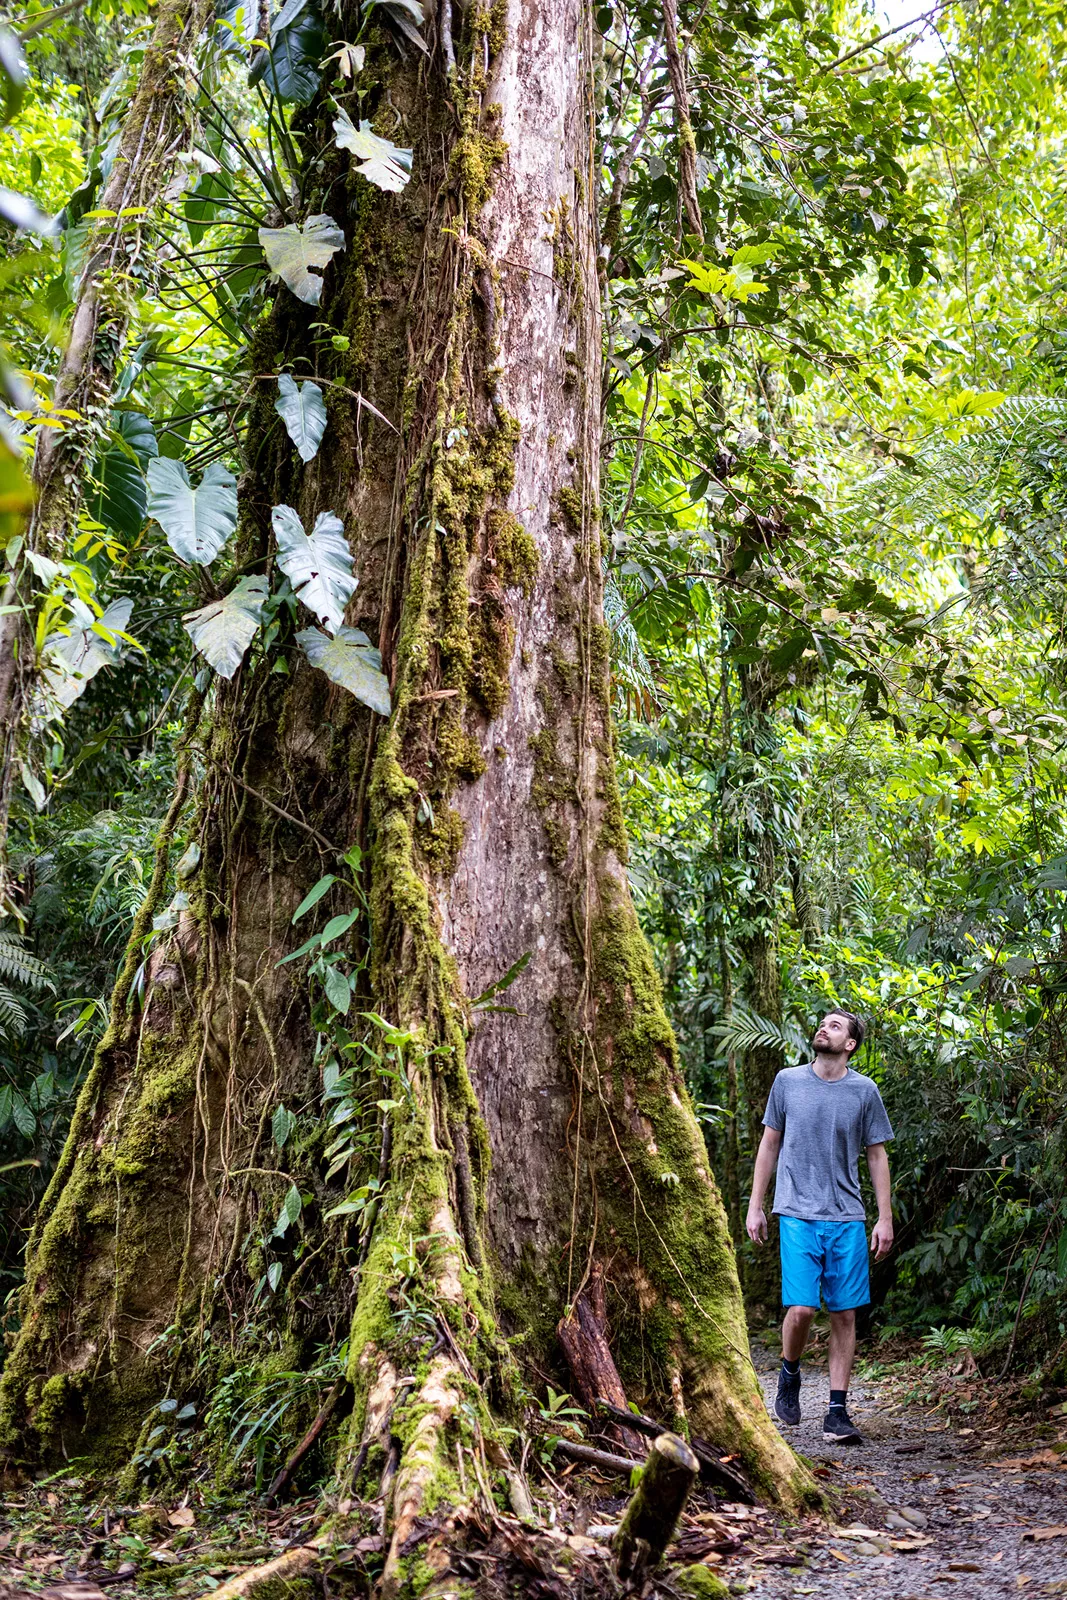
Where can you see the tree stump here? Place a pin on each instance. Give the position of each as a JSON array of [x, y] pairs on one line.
[[651, 1517]]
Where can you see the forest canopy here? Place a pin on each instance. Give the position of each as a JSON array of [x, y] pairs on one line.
[[534, 566]]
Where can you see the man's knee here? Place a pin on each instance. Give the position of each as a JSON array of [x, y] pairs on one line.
[[800, 1313], [845, 1320]]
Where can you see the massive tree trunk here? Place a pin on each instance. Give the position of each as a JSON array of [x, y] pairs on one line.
[[153, 133], [520, 1152]]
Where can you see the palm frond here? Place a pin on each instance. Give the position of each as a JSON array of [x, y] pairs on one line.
[[631, 664], [747, 1030]]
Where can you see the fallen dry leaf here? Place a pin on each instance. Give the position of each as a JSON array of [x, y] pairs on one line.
[[183, 1517], [1043, 1458], [840, 1554], [965, 1566], [918, 1542], [1038, 1534], [998, 1557]]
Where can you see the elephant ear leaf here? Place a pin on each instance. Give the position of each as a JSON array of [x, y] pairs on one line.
[[223, 630], [294, 250], [350, 660], [288, 68], [93, 643], [303, 410], [318, 565], [379, 160], [197, 522]]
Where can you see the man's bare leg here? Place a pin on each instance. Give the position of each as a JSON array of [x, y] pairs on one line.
[[838, 1426], [842, 1347], [795, 1330]]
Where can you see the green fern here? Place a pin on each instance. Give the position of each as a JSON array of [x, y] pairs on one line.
[[19, 966], [12, 1014], [17, 963], [1010, 478]]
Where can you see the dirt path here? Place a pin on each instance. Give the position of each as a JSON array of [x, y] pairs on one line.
[[949, 1513]]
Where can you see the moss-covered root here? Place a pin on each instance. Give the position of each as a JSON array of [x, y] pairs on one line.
[[423, 1464]]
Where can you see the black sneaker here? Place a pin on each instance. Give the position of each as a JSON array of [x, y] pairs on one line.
[[838, 1427], [787, 1400]]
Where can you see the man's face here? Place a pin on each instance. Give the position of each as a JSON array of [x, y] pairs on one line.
[[833, 1036]]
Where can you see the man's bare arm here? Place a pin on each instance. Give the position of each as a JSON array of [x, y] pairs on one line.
[[882, 1236], [766, 1161]]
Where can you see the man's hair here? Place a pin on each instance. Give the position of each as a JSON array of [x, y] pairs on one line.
[[857, 1028]]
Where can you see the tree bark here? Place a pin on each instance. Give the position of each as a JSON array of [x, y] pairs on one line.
[[151, 136], [527, 1149]]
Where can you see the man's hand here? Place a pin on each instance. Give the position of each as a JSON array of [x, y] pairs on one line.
[[756, 1225], [882, 1239]]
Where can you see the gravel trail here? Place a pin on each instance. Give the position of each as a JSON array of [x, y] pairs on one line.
[[948, 1513]]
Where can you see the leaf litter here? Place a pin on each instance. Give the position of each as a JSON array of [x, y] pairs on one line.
[[996, 1524]]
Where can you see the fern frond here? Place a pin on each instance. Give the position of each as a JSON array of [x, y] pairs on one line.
[[20, 966], [12, 1014], [1015, 454]]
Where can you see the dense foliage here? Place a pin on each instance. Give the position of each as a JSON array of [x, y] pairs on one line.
[[833, 506]]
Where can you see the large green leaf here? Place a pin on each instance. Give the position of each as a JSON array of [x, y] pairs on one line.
[[292, 251], [14, 75], [289, 68], [223, 630], [379, 160], [319, 565], [204, 203], [77, 657], [351, 661], [197, 522], [302, 409], [119, 497], [135, 430]]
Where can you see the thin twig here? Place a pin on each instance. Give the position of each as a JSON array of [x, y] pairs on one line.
[[925, 17]]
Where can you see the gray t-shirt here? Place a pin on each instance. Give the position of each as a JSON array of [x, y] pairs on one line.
[[824, 1127]]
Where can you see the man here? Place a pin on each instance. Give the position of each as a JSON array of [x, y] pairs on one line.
[[818, 1118]]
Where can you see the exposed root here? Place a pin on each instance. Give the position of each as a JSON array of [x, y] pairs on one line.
[[291, 1564], [421, 1463]]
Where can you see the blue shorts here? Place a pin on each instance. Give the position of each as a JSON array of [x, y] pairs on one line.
[[830, 1257]]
